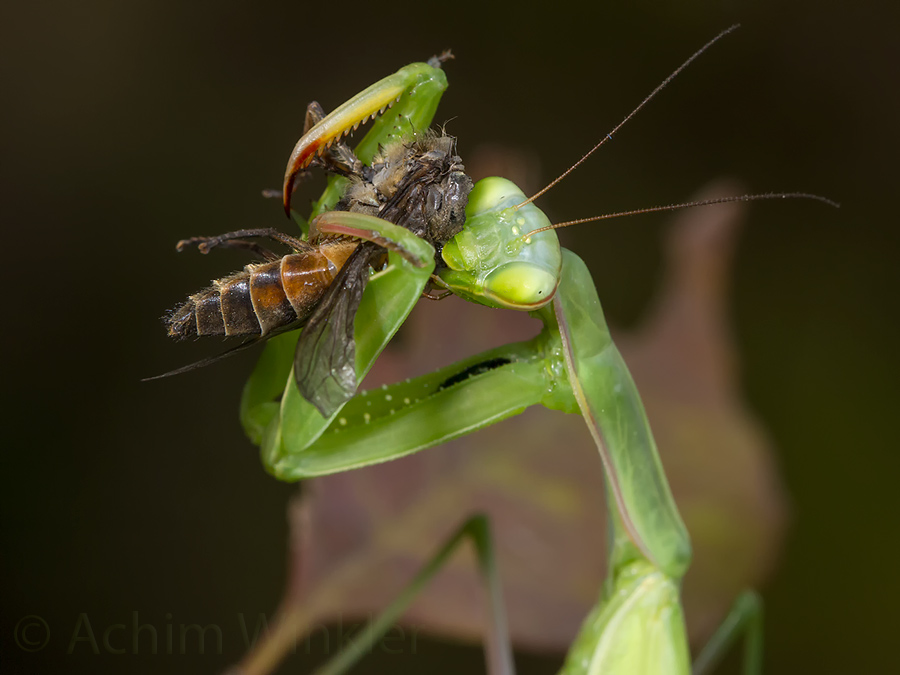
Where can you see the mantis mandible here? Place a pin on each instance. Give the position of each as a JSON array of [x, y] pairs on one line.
[[506, 256]]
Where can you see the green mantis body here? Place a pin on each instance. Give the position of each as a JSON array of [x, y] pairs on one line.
[[572, 365]]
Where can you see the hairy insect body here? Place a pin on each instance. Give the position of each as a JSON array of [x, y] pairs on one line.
[[420, 185], [263, 297]]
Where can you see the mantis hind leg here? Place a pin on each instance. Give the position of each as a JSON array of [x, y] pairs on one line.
[[498, 652], [745, 617]]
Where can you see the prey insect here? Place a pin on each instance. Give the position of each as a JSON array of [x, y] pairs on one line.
[[418, 184]]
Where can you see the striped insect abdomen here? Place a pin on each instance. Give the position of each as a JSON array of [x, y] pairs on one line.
[[262, 297]]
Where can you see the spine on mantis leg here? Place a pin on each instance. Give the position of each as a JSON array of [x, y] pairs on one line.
[[401, 105], [612, 408]]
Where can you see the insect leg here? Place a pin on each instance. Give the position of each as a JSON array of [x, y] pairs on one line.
[[315, 113], [404, 418], [206, 244], [341, 160], [746, 616], [498, 652], [439, 296], [200, 242], [609, 401]]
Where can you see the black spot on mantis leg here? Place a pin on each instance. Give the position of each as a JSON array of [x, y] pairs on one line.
[[472, 371]]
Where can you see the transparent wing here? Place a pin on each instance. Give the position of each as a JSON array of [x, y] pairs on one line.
[[325, 360], [209, 360]]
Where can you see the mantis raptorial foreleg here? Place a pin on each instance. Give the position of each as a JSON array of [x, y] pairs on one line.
[[401, 105]]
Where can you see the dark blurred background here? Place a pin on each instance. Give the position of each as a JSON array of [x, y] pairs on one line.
[[130, 125]]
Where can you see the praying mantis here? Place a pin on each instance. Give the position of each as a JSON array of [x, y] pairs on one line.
[[507, 256]]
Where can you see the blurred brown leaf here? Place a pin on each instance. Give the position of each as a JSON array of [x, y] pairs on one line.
[[358, 537]]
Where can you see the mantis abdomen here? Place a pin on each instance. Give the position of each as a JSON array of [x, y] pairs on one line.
[[263, 297]]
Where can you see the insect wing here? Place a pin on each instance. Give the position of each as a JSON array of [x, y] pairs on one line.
[[325, 360], [209, 360]]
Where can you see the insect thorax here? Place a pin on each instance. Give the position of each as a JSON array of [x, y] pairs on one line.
[[420, 185]]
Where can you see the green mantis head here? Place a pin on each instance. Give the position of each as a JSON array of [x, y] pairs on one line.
[[494, 261]]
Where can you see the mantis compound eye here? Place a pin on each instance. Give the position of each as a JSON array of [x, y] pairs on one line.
[[521, 284], [491, 194]]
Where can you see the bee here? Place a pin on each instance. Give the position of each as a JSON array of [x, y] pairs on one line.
[[420, 185]]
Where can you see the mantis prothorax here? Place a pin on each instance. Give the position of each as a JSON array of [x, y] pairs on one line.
[[506, 256]]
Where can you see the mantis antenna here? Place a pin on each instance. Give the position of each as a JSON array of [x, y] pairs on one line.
[[653, 93], [687, 205]]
